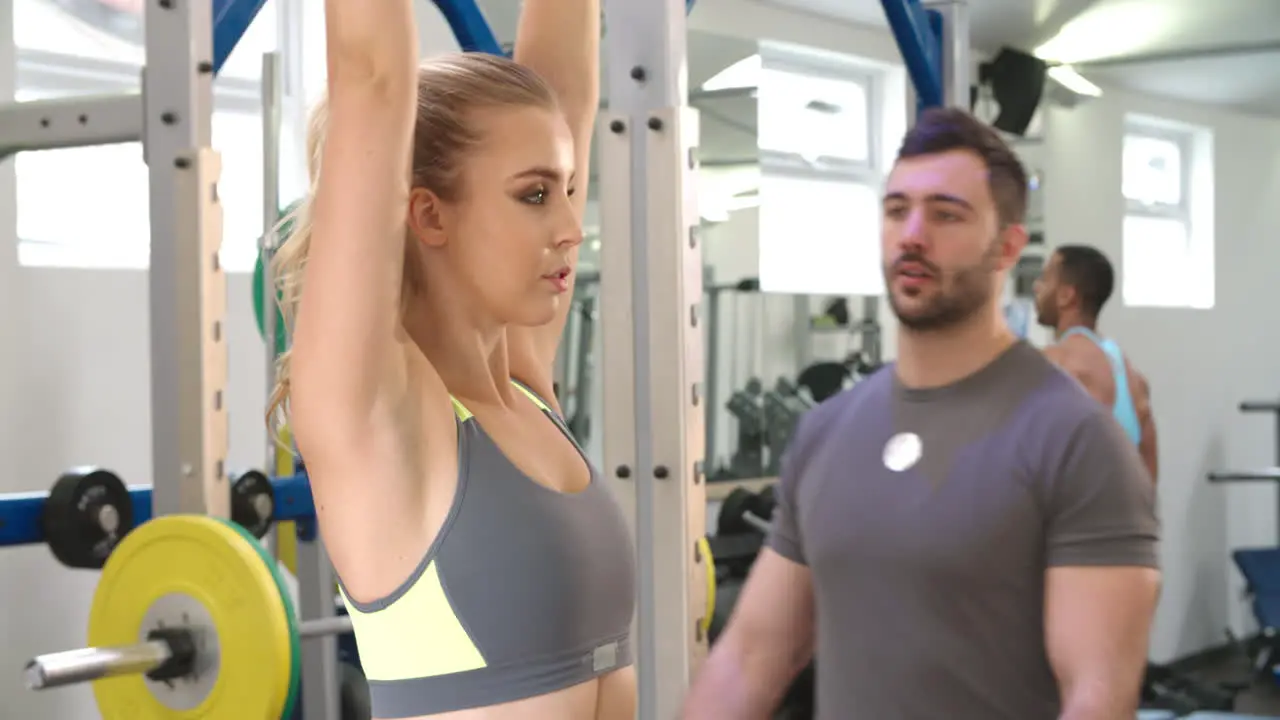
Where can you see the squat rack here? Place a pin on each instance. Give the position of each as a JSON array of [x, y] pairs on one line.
[[651, 280]]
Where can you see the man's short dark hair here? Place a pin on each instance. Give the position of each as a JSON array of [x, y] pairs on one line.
[[940, 130], [1089, 271]]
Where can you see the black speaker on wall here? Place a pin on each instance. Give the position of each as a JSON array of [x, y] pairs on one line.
[[1016, 80]]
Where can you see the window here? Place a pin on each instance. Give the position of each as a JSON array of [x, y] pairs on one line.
[[106, 187], [819, 236], [106, 190], [819, 188], [1167, 183], [815, 118]]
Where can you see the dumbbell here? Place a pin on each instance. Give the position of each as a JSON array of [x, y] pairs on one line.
[[743, 511]]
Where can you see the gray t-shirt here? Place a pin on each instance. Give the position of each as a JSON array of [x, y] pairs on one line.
[[929, 518]]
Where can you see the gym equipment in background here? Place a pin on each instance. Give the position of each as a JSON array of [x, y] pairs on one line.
[[1260, 566], [782, 408], [268, 246], [741, 528], [87, 513], [192, 610], [575, 363], [823, 380], [90, 510], [747, 459], [713, 306]]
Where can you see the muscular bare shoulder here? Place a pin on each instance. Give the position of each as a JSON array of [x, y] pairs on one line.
[[1084, 360]]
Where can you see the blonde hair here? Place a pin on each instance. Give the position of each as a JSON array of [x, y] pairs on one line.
[[451, 88]]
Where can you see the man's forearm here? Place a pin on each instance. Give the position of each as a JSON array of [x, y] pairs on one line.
[[723, 691], [1104, 699]]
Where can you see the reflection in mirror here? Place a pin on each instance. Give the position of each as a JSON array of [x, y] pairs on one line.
[[789, 197]]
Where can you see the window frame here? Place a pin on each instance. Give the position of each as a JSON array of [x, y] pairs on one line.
[[1184, 140], [869, 173], [72, 75], [778, 57], [1196, 292]]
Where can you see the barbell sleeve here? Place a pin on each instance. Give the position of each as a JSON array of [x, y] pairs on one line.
[[756, 521], [87, 664], [336, 625]]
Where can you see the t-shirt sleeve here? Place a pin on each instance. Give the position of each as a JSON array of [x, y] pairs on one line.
[[1101, 502], [784, 534]]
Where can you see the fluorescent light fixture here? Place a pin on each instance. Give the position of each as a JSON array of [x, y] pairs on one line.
[[1067, 76], [743, 74]]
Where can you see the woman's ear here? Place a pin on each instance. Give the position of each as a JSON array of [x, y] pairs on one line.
[[426, 217]]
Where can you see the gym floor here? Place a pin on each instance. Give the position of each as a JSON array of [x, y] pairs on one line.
[[1263, 698]]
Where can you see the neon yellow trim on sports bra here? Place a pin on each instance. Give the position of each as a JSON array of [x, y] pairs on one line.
[[464, 414], [417, 635]]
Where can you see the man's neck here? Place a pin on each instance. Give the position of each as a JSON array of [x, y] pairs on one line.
[[935, 358], [1073, 320]]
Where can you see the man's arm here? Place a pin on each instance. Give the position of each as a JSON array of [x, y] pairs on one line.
[[1103, 575], [768, 640], [1097, 628]]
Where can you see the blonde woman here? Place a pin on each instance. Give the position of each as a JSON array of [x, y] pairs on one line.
[[487, 570]]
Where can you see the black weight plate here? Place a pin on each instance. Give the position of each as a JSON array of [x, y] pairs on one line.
[[246, 491], [730, 521], [73, 513], [764, 503]]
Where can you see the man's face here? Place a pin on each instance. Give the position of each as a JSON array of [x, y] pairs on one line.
[[1046, 292], [945, 252]]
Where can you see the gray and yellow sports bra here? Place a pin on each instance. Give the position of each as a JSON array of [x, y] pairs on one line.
[[525, 591]]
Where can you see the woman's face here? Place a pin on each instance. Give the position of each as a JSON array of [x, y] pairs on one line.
[[505, 244]]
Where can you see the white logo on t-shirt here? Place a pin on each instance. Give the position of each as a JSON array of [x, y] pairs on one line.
[[902, 451]]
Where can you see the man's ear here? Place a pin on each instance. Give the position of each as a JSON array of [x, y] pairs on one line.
[[1013, 240], [1066, 295], [426, 217]]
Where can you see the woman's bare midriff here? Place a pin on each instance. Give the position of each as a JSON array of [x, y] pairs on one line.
[[609, 697]]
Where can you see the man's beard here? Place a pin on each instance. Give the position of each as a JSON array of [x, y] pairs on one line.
[[962, 293]]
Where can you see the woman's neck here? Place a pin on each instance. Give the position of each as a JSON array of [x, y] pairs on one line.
[[469, 353]]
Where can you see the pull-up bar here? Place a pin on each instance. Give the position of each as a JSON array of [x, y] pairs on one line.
[[934, 42]]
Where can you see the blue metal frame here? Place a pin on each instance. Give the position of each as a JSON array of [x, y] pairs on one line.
[[469, 26], [472, 30], [20, 513], [918, 32], [231, 18]]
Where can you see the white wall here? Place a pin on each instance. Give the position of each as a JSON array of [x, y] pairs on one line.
[[1200, 364]]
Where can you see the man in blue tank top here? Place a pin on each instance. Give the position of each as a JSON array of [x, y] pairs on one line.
[[1070, 294]]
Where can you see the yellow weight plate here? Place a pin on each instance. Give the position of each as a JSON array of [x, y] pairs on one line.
[[209, 572], [708, 562]]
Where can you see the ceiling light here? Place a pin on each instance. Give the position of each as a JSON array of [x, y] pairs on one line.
[[1074, 81]]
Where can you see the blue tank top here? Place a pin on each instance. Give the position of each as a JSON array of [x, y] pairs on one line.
[[1124, 410]]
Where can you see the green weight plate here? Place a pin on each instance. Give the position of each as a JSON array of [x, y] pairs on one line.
[[258, 269], [295, 637]]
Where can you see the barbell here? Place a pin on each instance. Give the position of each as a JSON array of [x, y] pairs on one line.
[[190, 619]]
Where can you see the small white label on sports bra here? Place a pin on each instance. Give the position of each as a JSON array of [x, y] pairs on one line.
[[605, 657]]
